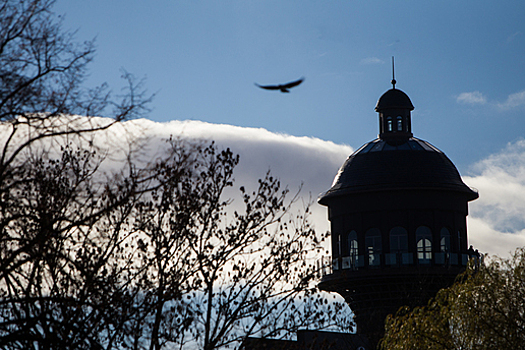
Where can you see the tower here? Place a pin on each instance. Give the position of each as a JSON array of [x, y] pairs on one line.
[[397, 210]]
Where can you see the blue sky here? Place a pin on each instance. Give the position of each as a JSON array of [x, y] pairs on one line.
[[459, 61]]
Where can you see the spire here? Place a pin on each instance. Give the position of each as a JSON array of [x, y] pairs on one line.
[[394, 108], [393, 75]]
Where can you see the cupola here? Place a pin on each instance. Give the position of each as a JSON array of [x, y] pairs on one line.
[[397, 211], [394, 108]]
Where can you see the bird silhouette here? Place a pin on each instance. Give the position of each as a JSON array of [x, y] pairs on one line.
[[282, 87]]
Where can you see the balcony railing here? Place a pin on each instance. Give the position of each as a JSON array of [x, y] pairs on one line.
[[327, 265]]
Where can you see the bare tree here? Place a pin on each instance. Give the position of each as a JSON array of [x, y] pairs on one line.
[[41, 98], [42, 70], [150, 257], [161, 221], [216, 277], [64, 267], [53, 271]]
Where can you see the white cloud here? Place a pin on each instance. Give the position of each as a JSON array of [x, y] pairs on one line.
[[497, 220], [474, 97], [489, 240], [309, 161], [372, 60], [513, 101]]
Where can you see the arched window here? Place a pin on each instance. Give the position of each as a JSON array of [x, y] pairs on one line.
[[336, 244], [444, 240], [352, 243], [398, 240], [389, 126], [398, 247], [461, 243], [424, 244], [373, 246], [399, 123]]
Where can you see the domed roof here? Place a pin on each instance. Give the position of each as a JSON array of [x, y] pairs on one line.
[[379, 165], [394, 98]]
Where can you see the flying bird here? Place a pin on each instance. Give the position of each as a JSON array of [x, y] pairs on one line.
[[282, 87]]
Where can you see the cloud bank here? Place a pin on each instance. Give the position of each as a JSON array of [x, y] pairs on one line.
[[297, 161], [497, 218], [496, 221]]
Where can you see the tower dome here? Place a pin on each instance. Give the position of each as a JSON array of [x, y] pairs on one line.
[[397, 211], [381, 166], [394, 98]]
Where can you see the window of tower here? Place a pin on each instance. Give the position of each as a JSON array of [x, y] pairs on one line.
[[399, 123], [460, 242], [444, 240], [336, 244], [424, 244], [398, 240], [398, 247], [389, 124], [373, 246], [352, 243], [353, 247]]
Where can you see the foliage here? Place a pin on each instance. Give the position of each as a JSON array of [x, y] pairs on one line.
[[483, 310]]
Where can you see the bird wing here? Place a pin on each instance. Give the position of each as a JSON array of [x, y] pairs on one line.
[[269, 87], [293, 83]]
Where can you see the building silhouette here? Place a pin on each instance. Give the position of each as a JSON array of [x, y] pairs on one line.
[[398, 214], [397, 210]]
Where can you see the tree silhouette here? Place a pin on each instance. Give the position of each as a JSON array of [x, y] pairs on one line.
[[147, 257], [215, 277], [483, 310]]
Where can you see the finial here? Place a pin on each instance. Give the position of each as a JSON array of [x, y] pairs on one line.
[[393, 74]]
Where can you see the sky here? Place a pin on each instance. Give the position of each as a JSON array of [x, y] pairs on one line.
[[462, 63]]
